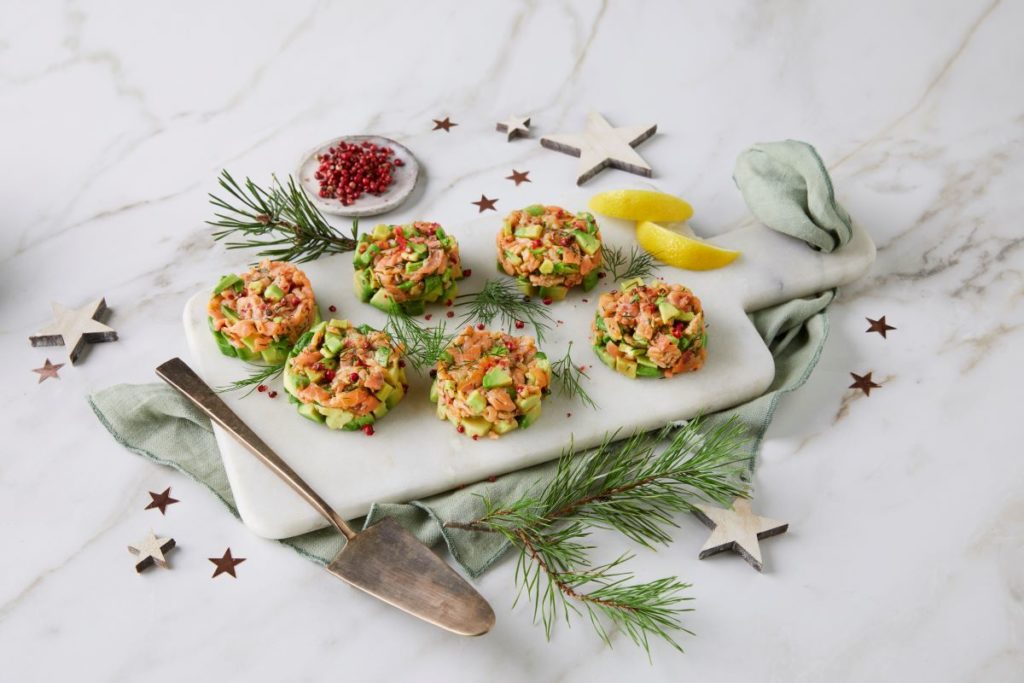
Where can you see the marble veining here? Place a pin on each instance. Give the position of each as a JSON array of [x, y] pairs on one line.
[[905, 555]]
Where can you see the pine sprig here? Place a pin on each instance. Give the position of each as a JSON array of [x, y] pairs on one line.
[[569, 376], [633, 487], [280, 221], [260, 375], [499, 299], [638, 264], [423, 345]]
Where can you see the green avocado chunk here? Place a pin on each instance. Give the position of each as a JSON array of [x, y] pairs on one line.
[[668, 311], [529, 231], [476, 402], [588, 243], [225, 282], [496, 377], [476, 426]]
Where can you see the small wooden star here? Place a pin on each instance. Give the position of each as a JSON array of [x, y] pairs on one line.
[[444, 124], [519, 177], [737, 529], [514, 126], [151, 551], [73, 327], [600, 146], [485, 203], [161, 501], [879, 326], [226, 564], [863, 383], [48, 370]]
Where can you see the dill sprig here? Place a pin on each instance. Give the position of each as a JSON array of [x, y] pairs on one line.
[[638, 264], [569, 374], [423, 345], [259, 375], [280, 220], [499, 299], [633, 487]]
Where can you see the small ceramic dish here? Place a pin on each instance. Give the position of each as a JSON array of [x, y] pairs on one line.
[[404, 181]]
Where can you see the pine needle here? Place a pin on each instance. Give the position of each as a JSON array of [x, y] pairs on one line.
[[280, 221], [633, 487]]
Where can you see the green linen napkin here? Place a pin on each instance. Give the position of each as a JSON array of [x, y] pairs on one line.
[[156, 422], [787, 187]]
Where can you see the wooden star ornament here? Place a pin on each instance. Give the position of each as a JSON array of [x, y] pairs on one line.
[[879, 326], [226, 564], [73, 327], [485, 204], [600, 146], [160, 501], [151, 551], [737, 529], [514, 127], [47, 371], [864, 383], [444, 124]]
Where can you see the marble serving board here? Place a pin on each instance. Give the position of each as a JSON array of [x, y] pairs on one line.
[[414, 454]]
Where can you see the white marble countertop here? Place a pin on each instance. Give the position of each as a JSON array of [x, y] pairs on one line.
[[905, 558]]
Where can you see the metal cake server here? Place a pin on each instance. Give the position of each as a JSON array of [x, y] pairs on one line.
[[385, 560]]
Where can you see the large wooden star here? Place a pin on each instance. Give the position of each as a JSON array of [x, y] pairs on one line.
[[864, 383], [514, 126], [47, 371], [73, 327], [600, 146], [879, 326], [151, 551], [226, 564], [161, 501], [737, 529]]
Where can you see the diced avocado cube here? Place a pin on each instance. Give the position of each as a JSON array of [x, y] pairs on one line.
[[224, 345], [409, 230], [382, 300], [512, 259], [496, 377], [542, 361], [396, 395], [588, 243], [555, 293], [433, 391], [310, 412], [381, 231], [686, 316], [642, 359], [337, 418], [385, 391], [359, 422], [528, 403], [605, 357], [225, 282], [250, 343], [529, 231], [547, 267], [530, 417], [668, 311], [381, 410], [535, 209], [647, 371], [524, 286], [476, 402], [338, 324], [256, 286], [273, 292], [413, 266], [414, 306], [629, 284], [363, 288], [407, 285], [275, 353], [626, 367], [433, 287], [332, 343], [228, 312], [395, 375], [314, 375], [382, 355], [565, 268], [505, 426], [476, 426]]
